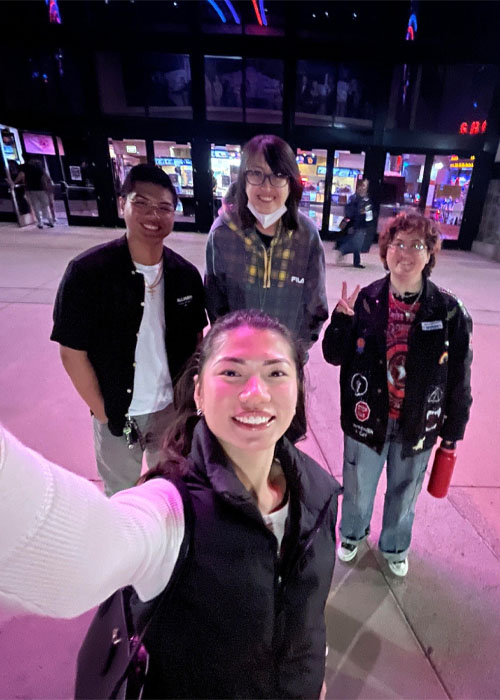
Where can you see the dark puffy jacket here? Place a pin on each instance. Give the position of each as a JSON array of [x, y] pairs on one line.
[[243, 622], [437, 391]]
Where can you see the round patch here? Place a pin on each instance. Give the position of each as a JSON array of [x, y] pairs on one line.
[[359, 384], [362, 411], [360, 345]]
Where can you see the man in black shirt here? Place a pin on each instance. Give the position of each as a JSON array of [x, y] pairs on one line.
[[128, 315]]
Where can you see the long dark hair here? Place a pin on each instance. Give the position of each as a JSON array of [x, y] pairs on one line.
[[178, 437], [281, 159]]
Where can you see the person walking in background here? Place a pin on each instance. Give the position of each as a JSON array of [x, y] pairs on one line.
[[39, 188], [261, 252], [128, 315], [244, 520], [403, 345], [359, 211]]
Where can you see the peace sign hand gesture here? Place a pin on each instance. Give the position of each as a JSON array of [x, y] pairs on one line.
[[346, 303]]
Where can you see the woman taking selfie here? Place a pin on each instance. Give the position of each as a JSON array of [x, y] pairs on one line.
[[252, 517], [403, 345], [262, 253]]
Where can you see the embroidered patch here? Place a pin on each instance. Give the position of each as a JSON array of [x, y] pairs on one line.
[[298, 280], [362, 411], [443, 358], [432, 419], [184, 301], [359, 384], [436, 395], [432, 325], [419, 445], [360, 345]]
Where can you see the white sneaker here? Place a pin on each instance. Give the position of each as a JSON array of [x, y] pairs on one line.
[[347, 551], [399, 568]]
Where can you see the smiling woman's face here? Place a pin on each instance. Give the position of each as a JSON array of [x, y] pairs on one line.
[[248, 389], [265, 198]]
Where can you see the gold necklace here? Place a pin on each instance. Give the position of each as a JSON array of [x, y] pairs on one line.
[[150, 288]]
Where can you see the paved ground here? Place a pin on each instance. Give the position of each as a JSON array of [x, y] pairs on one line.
[[434, 634]]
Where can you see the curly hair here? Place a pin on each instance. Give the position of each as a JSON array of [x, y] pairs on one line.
[[420, 225]]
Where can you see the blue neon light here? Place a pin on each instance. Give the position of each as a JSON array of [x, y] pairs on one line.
[[218, 10], [233, 11], [262, 13], [412, 22]]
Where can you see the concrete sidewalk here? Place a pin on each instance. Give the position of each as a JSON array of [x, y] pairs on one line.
[[432, 635]]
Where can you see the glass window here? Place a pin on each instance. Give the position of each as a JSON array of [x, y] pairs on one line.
[[160, 82], [264, 90], [175, 160], [124, 154], [312, 168], [447, 194], [449, 99], [78, 178], [402, 183], [355, 96], [347, 170], [315, 93], [225, 164], [223, 80]]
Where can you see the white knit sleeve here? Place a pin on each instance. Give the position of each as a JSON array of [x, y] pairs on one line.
[[64, 547]]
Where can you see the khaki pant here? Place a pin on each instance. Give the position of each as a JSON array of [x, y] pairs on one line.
[[119, 465]]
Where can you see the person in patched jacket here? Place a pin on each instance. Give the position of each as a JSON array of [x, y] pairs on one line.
[[403, 345]]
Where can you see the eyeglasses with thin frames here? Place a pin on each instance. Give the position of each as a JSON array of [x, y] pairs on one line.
[[145, 206], [257, 177], [414, 247]]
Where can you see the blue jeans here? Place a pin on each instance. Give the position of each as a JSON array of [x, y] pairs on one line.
[[361, 473], [352, 243]]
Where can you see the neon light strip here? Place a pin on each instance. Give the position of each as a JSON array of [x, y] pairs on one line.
[[257, 14], [412, 22], [232, 11], [410, 35], [218, 10], [263, 13]]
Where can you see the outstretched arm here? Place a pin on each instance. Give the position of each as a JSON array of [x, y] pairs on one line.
[[65, 547]]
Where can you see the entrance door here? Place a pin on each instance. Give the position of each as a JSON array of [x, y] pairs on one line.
[[124, 154], [348, 168], [175, 160], [447, 194], [224, 164], [402, 185], [312, 168]]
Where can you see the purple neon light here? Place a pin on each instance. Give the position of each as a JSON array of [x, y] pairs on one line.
[[262, 13], [218, 10], [233, 11], [54, 14]]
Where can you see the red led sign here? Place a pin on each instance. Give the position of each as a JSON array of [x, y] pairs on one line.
[[475, 127]]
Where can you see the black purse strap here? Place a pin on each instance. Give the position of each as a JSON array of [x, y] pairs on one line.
[[163, 597]]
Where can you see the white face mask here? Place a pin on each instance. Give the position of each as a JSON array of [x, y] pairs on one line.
[[266, 220]]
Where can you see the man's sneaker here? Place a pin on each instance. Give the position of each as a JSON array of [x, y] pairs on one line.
[[347, 551], [399, 568]]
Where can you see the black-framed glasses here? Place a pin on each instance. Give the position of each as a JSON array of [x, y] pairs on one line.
[[414, 247], [257, 177]]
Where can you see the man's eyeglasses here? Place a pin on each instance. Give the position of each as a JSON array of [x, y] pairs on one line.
[[257, 177], [143, 206], [414, 247]]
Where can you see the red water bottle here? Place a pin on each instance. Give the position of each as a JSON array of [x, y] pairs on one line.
[[442, 470]]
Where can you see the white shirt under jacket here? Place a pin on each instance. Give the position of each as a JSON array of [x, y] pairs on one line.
[[65, 547]]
